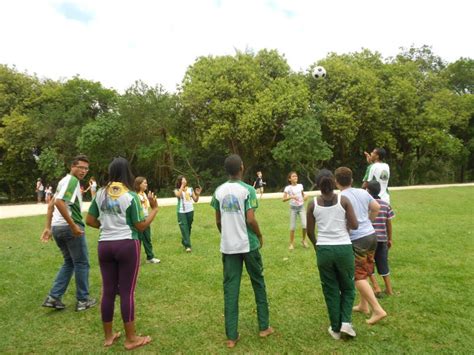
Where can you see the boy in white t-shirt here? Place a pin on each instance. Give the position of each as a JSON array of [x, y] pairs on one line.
[[379, 171], [295, 194], [235, 203]]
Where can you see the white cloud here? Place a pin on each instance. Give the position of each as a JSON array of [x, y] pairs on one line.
[[156, 41]]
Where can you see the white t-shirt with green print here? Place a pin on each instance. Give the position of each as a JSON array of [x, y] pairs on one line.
[[233, 199], [69, 190], [118, 210]]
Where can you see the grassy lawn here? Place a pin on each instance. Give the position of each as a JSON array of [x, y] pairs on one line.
[[180, 301]]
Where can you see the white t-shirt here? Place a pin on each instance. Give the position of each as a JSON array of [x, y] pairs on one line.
[[185, 201], [380, 172], [233, 199], [118, 210], [295, 190], [68, 190], [360, 200]]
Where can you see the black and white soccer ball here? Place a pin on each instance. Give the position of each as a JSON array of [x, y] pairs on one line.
[[319, 72]]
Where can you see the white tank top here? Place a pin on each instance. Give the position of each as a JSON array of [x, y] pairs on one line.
[[331, 222]]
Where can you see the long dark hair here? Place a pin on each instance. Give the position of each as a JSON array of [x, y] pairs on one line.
[[325, 181], [119, 171]]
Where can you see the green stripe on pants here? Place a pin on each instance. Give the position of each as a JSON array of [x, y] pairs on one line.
[[232, 275], [185, 221], [336, 270]]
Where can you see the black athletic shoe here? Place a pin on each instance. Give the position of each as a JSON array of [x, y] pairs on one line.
[[83, 305], [52, 302]]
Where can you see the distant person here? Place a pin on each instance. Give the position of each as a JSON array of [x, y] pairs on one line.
[[39, 190], [364, 242], [68, 232], [117, 211], [48, 194], [140, 187], [294, 193], [185, 210], [383, 230], [334, 215], [378, 170], [258, 184], [92, 187], [235, 203]]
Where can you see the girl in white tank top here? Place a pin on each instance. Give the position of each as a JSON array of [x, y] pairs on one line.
[[331, 222]]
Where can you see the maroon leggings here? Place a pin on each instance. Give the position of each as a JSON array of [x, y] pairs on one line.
[[119, 261]]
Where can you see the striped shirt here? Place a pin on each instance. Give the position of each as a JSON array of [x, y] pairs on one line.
[[69, 190], [380, 223]]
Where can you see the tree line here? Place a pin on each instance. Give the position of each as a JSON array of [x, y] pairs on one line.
[[415, 105]]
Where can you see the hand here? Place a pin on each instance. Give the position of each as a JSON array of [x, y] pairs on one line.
[[197, 190], [46, 236], [76, 231], [389, 243], [152, 199], [183, 185]]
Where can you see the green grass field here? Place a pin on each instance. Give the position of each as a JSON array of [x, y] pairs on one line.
[[180, 301]]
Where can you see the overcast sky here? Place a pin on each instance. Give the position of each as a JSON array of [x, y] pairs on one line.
[[117, 42]]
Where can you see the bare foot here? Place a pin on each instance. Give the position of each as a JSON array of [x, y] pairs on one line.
[[376, 317], [138, 341], [358, 308], [112, 340], [266, 332], [232, 343]]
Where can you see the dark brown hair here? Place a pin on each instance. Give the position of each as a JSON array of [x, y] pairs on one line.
[[343, 176]]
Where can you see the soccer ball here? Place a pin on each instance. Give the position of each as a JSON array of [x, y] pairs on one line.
[[319, 73]]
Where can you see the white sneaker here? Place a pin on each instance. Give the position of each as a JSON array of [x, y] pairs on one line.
[[188, 250], [153, 261], [335, 335], [346, 328]]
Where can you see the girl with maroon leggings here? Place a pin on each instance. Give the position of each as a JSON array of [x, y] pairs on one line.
[[116, 210]]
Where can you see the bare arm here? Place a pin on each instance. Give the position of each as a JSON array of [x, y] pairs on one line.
[[46, 235], [62, 208], [352, 222], [253, 224], [91, 221], [196, 194], [218, 220], [374, 209], [389, 233], [287, 197], [311, 224]]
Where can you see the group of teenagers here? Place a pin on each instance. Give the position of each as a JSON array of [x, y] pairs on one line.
[[123, 212]]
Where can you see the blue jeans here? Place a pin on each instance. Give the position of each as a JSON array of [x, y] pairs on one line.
[[76, 260]]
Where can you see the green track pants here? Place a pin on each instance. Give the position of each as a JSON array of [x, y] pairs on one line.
[[233, 264]]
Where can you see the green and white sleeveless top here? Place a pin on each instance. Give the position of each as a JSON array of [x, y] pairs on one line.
[[233, 199], [69, 190], [117, 209], [185, 201]]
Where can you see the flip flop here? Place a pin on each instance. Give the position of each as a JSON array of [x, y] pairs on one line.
[[115, 338], [145, 340]]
